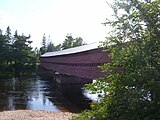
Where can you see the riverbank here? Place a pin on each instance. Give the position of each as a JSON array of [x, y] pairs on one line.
[[34, 115]]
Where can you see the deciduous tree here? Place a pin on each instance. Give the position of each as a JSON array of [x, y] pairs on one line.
[[70, 42], [132, 91]]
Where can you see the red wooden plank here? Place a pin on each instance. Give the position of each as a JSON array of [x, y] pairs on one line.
[[90, 58], [81, 64]]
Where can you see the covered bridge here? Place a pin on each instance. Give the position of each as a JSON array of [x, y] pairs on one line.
[[79, 61]]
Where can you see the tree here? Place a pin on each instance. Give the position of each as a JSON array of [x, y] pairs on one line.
[[44, 41], [78, 42], [37, 55], [70, 42], [24, 58], [8, 34], [132, 89], [1, 32], [16, 55], [44, 44], [57, 47], [8, 45], [6, 53], [5, 47], [51, 47]]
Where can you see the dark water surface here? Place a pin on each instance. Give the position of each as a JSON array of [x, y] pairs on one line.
[[37, 93]]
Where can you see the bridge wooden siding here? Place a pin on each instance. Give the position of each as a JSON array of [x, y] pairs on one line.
[[81, 64]]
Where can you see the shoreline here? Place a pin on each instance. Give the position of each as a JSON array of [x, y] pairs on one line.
[[34, 115]]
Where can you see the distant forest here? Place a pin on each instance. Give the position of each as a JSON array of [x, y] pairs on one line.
[[18, 58], [69, 42]]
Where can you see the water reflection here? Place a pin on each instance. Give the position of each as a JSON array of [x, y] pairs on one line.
[[40, 94]]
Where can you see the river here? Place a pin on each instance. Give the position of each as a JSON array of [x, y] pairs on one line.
[[37, 93]]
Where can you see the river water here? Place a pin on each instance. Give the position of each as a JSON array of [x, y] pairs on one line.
[[37, 93]]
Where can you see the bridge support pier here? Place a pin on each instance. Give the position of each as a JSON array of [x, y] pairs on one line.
[[68, 79]]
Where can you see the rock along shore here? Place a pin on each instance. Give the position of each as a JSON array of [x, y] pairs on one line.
[[34, 115]]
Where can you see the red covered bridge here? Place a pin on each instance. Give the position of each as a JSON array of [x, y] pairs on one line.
[[78, 61]]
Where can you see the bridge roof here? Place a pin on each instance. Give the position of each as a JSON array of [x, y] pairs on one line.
[[72, 50]]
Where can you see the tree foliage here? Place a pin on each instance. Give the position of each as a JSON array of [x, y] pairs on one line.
[[132, 91], [70, 42], [51, 47], [48, 46], [16, 55], [44, 44]]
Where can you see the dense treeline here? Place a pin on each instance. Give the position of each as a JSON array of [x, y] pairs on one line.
[[16, 54], [69, 42], [18, 58]]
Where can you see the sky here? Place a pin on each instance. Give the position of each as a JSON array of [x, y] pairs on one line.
[[56, 18]]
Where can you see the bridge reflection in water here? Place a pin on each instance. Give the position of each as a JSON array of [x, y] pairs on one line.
[[40, 93], [68, 96], [71, 98]]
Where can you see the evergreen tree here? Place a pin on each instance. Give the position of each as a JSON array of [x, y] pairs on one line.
[[8, 45], [16, 55], [44, 41], [57, 47], [5, 55], [5, 46], [44, 44], [3, 43], [1, 32], [23, 55], [8, 34], [50, 47]]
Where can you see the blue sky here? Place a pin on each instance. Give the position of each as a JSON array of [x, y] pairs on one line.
[[57, 18]]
